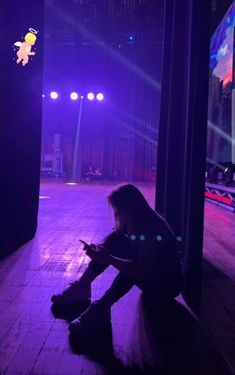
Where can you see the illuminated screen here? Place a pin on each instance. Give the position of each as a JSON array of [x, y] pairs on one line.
[[220, 118]]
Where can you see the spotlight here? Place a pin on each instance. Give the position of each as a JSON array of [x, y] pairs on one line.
[[100, 96], [131, 38], [228, 176], [74, 95], [54, 95], [90, 96]]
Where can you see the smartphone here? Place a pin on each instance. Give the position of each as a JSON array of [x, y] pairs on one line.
[[86, 244]]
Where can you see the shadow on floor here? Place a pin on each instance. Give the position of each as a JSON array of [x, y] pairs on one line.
[[218, 309], [175, 340], [99, 348], [164, 339]]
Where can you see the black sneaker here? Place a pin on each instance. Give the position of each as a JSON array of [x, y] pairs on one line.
[[94, 319], [74, 293]]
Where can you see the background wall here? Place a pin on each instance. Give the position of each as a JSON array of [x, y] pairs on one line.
[[114, 47]]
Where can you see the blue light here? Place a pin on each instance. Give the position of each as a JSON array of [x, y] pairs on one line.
[[159, 238], [142, 237], [133, 237], [131, 38]]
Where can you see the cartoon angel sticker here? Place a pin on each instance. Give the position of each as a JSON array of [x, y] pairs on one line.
[[24, 51]]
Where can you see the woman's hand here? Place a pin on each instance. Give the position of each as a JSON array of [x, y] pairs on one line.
[[100, 254]]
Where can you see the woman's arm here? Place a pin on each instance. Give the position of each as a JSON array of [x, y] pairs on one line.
[[129, 267]]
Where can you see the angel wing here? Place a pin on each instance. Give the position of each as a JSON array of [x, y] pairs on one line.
[[17, 44]]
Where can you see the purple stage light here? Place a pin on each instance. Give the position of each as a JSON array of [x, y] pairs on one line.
[[54, 95], [90, 96], [74, 96], [100, 96]]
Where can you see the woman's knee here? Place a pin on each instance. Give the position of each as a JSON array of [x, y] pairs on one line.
[[118, 244]]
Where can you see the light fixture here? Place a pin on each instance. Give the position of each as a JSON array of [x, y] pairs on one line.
[[100, 96], [90, 96], [54, 95], [74, 95]]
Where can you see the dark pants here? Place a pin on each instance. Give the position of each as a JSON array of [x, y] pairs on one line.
[[120, 246]]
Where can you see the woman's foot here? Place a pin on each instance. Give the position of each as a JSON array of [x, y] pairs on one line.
[[74, 293], [93, 319]]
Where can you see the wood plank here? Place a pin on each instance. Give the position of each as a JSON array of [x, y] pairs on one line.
[[33, 341]]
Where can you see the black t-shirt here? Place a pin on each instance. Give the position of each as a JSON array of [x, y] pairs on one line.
[[156, 250]]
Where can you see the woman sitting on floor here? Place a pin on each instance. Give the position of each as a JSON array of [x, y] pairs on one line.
[[143, 249]]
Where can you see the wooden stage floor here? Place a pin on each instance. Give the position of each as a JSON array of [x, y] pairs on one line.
[[218, 284], [142, 339]]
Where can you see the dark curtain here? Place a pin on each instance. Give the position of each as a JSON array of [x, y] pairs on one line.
[[182, 133], [20, 124]]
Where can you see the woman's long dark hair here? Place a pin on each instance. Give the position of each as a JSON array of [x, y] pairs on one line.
[[129, 198]]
